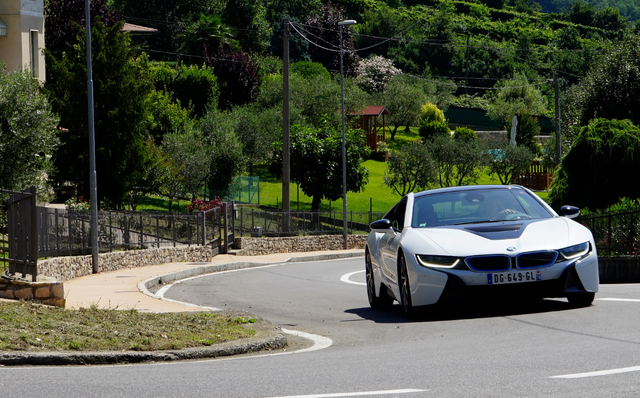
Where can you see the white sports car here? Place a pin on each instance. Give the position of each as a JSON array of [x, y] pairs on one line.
[[457, 243]]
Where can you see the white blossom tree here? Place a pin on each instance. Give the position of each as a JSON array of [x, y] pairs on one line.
[[373, 73]]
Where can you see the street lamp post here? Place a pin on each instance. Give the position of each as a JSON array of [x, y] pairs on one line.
[[344, 144]]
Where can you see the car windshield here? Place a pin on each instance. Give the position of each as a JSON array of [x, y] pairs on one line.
[[476, 206]]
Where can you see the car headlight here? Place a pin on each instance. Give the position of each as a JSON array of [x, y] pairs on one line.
[[437, 261], [575, 250]]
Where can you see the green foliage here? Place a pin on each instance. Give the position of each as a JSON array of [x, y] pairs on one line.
[[409, 168], [429, 130], [195, 87], [611, 90], [249, 18], [209, 31], [224, 149], [595, 172], [317, 156], [257, 130], [308, 69], [164, 116], [464, 134], [27, 132], [121, 85], [431, 113], [298, 46], [403, 98], [528, 128], [458, 162], [508, 162]]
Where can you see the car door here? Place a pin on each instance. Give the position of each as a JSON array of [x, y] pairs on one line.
[[391, 240]]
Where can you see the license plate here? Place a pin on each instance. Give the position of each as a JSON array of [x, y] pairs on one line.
[[502, 278]]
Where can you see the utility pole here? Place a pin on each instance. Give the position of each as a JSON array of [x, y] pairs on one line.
[[558, 144], [92, 148], [286, 169]]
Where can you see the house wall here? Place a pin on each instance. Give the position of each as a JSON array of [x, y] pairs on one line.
[[22, 18]]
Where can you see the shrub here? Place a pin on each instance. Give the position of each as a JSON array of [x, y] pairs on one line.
[[428, 130], [431, 113], [465, 134]]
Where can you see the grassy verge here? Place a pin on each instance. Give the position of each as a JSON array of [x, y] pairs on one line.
[[30, 327]]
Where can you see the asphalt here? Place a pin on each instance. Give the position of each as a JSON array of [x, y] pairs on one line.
[[133, 288]]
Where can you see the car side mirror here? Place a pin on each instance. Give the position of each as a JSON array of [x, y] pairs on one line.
[[569, 211], [382, 226]]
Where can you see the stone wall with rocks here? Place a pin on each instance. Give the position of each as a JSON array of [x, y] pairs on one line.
[[46, 292], [66, 268], [262, 246]]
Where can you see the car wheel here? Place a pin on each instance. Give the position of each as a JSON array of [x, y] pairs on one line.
[[581, 299], [384, 300], [405, 289]]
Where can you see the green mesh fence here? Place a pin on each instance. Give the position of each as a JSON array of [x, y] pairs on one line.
[[244, 189]]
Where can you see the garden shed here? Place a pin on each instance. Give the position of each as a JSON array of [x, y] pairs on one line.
[[374, 128]]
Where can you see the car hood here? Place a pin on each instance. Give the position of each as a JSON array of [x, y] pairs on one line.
[[495, 238]]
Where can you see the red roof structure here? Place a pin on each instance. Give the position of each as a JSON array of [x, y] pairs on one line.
[[369, 118]]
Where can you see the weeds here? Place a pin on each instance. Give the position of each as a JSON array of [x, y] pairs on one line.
[[29, 327]]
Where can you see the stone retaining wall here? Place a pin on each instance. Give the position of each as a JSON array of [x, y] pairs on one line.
[[293, 244], [45, 292], [66, 268]]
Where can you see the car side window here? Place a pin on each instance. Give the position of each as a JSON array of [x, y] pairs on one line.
[[396, 215]]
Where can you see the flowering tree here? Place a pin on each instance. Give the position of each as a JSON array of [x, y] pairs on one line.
[[374, 73]]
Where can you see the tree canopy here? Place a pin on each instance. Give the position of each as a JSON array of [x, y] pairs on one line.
[[595, 172], [121, 85], [28, 137], [317, 156]]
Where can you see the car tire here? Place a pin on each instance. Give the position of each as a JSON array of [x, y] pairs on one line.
[[376, 302], [405, 288], [581, 299]]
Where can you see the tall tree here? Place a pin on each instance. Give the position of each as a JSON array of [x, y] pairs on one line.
[[604, 155], [410, 167], [326, 33], [238, 76], [611, 89], [27, 131], [60, 16], [316, 160], [121, 84]]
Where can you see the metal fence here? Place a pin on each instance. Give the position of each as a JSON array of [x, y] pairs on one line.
[[257, 222], [615, 233], [67, 232]]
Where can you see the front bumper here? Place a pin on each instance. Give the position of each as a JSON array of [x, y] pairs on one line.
[[559, 280]]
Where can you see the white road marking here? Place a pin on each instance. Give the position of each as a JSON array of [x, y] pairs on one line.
[[345, 278], [619, 299], [319, 342], [598, 373], [355, 394]]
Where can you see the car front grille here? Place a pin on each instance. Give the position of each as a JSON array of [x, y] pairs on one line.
[[489, 263], [499, 262], [536, 260]]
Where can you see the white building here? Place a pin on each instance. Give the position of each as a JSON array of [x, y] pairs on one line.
[[22, 36]]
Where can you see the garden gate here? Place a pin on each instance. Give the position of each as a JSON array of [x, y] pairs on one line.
[[22, 232]]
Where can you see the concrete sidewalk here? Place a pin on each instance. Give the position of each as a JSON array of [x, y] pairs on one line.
[[120, 289]]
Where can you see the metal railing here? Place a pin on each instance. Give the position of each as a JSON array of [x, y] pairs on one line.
[[67, 232], [615, 233], [258, 222]]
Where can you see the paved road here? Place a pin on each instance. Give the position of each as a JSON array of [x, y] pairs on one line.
[[541, 348]]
